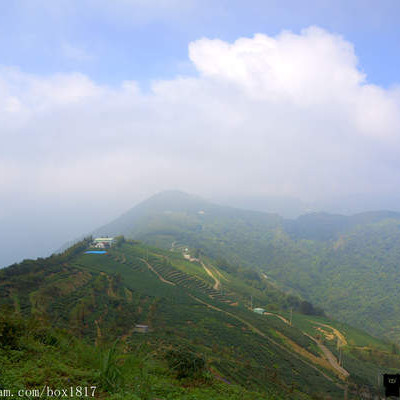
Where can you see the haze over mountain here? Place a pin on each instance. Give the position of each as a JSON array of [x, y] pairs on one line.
[[291, 207], [36, 230], [345, 264], [101, 107]]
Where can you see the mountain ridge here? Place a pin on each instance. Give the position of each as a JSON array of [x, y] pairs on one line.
[[176, 200], [315, 254]]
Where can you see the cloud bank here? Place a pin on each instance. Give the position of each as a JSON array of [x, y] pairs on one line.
[[289, 115]]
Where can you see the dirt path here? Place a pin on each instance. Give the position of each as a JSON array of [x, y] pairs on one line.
[[327, 353], [97, 323], [338, 334], [98, 333], [318, 360], [330, 357], [278, 316], [159, 276], [209, 272], [263, 335]]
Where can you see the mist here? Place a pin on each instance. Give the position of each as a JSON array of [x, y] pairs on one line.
[[288, 116]]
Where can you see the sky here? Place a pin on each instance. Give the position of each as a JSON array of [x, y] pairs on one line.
[[103, 104]]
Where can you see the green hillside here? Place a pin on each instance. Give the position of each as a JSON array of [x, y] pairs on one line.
[[346, 265], [203, 340]]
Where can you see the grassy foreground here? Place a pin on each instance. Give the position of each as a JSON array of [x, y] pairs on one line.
[[34, 356]]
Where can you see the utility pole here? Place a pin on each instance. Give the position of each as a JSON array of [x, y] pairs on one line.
[[379, 382], [291, 315], [340, 357], [251, 302]]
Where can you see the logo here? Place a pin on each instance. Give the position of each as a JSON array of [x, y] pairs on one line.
[[392, 385]]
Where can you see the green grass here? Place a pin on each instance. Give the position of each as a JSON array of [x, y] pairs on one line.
[[44, 356]]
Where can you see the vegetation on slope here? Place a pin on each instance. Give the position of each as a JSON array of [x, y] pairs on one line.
[[99, 298], [36, 357], [347, 266]]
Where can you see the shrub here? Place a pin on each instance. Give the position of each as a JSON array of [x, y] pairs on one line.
[[185, 363], [10, 331]]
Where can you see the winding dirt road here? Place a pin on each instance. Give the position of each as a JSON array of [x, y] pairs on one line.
[[330, 357], [217, 284], [327, 353]]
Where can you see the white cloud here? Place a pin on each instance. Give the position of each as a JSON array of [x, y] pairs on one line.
[[291, 114], [308, 69]]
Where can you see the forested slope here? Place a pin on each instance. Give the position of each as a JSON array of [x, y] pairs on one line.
[[346, 265]]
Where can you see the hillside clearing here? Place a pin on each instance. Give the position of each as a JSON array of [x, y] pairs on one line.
[[338, 334]]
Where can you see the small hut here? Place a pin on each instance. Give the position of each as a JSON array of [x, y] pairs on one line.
[[141, 328]]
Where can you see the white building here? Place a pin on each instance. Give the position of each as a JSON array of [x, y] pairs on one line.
[[103, 242]]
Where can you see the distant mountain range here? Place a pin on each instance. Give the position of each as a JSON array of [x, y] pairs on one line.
[[292, 207], [348, 265], [36, 229]]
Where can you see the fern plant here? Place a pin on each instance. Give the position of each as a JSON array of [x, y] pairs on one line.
[[111, 378]]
